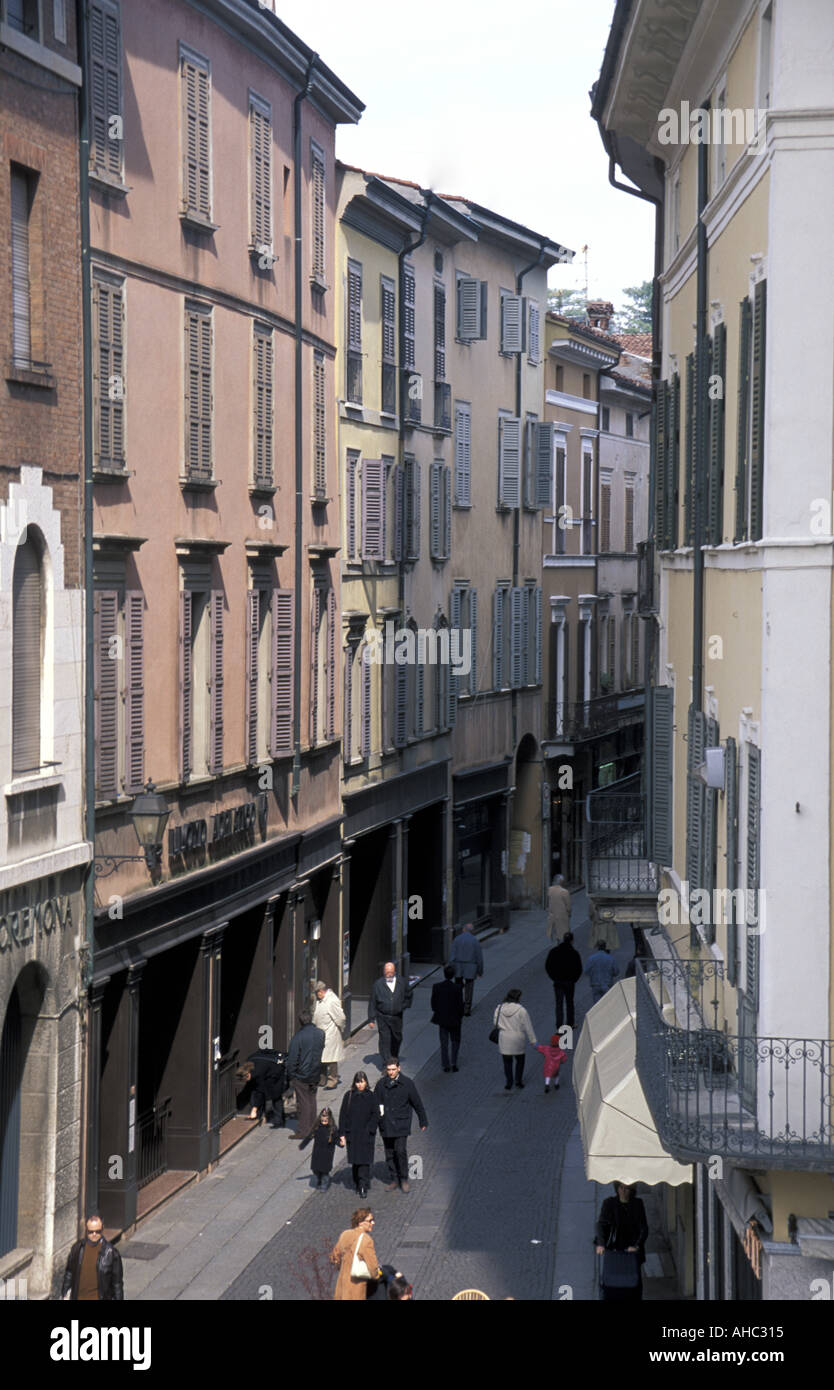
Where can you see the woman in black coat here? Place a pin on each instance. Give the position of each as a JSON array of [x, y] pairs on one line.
[[358, 1124], [622, 1225]]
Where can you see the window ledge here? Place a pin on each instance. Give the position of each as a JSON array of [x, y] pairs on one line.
[[325, 745], [35, 783], [37, 375], [317, 285], [262, 490], [390, 415], [197, 223], [462, 506], [262, 252], [105, 183], [114, 803], [38, 53], [199, 783], [112, 475], [319, 500], [353, 405], [199, 484]]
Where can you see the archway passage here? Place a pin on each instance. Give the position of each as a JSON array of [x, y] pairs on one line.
[[11, 1069], [526, 832]]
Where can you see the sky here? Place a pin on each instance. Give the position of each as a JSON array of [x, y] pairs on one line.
[[475, 98]]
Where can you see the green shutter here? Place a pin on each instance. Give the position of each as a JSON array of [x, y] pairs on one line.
[[754, 782], [660, 465], [743, 417], [731, 784], [672, 453], [689, 461], [715, 506], [695, 804], [661, 717], [757, 406], [709, 832]]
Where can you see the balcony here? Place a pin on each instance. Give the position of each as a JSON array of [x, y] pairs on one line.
[[578, 722], [618, 866], [761, 1102]]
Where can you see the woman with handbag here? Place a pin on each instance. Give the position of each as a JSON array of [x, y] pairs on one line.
[[355, 1256], [513, 1029], [621, 1235]]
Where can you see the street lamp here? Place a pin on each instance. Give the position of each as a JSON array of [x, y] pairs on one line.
[[150, 816]]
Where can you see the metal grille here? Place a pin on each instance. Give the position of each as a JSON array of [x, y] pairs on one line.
[[152, 1159]]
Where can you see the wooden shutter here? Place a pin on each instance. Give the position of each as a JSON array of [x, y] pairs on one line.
[[498, 639], [353, 384], [512, 323], [689, 457], [435, 511], [108, 365], [455, 607], [253, 632], [419, 699], [21, 311], [186, 653], [389, 320], [635, 650], [263, 419], [661, 714], [660, 465], [373, 501], [332, 620], [399, 512], [196, 139], [198, 393], [365, 711], [473, 630], [731, 784], [319, 427], [671, 459], [710, 832], [412, 507], [533, 340], [543, 432], [318, 218], [695, 803], [605, 516], [315, 640], [260, 145], [408, 311], [463, 448], [715, 508], [611, 661], [216, 724], [468, 307], [757, 408], [629, 519], [509, 461], [754, 781], [107, 689], [347, 710], [439, 333], [743, 418], [105, 88], [134, 690], [400, 706], [516, 604], [447, 512], [283, 622], [350, 503], [537, 608]]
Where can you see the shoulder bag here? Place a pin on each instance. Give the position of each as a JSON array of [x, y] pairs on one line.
[[620, 1268], [358, 1268], [495, 1032]]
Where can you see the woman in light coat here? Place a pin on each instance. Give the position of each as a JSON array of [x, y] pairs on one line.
[[514, 1031], [330, 1017], [357, 1238]]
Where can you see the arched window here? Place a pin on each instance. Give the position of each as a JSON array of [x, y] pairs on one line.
[[28, 614]]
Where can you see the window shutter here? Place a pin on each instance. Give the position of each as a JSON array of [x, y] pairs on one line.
[[134, 690], [409, 304], [660, 465], [605, 516], [399, 511], [315, 639], [732, 857], [473, 631], [350, 504], [689, 460], [196, 134], [526, 596], [400, 706], [455, 606], [260, 141], [534, 351], [611, 662], [216, 734], [263, 407], [715, 514], [21, 315], [463, 446], [447, 512], [419, 699], [757, 406], [186, 685], [198, 386], [388, 319], [516, 601], [108, 327], [629, 519], [635, 650], [661, 715], [509, 461], [412, 507], [366, 704], [695, 802], [253, 629], [439, 333], [498, 639], [347, 696], [469, 307], [332, 619], [537, 604], [743, 418], [354, 306], [282, 671], [671, 457], [709, 831], [435, 511], [318, 218], [512, 323], [107, 683], [105, 88], [544, 464], [483, 309], [373, 500], [319, 427], [754, 775]]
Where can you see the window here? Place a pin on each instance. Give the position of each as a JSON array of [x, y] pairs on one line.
[[353, 385], [412, 383], [534, 332], [751, 406], [605, 423], [463, 453], [463, 639], [323, 664], [560, 513], [260, 175], [373, 507], [108, 373], [59, 20], [512, 322], [106, 113], [388, 323], [471, 308], [198, 392], [201, 682], [560, 377], [28, 621], [262, 452], [23, 183], [440, 511], [538, 463], [605, 513], [317, 193], [629, 517], [22, 15], [269, 673], [283, 657], [442, 388], [629, 425], [587, 502], [586, 385], [319, 428], [411, 504], [509, 460], [196, 137]]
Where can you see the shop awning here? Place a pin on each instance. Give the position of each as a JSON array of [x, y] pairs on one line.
[[619, 1139]]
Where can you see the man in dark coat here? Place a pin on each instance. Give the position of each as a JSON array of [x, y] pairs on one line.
[[396, 1095], [304, 1071], [94, 1268], [448, 1008], [564, 966], [391, 996], [269, 1082]]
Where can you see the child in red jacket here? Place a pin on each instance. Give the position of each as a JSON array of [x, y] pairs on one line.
[[554, 1056]]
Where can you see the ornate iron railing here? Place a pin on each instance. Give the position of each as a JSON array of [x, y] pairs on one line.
[[618, 859], [574, 722], [226, 1091], [760, 1100], [152, 1146]]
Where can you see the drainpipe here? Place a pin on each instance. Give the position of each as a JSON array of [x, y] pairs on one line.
[[406, 251], [701, 440], [299, 433]]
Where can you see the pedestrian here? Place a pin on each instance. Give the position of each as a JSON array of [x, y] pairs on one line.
[[395, 1284], [268, 1074], [303, 1069], [447, 1012], [514, 1030], [355, 1257], [358, 1124], [396, 1096], [467, 957], [94, 1268], [621, 1231], [330, 1016], [390, 997], [325, 1137], [554, 1055], [602, 971], [558, 909], [564, 966]]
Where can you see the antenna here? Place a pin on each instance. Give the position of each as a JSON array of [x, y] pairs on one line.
[[585, 259]]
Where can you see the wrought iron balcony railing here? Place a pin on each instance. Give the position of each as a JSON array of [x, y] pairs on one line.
[[760, 1101], [618, 859], [575, 722]]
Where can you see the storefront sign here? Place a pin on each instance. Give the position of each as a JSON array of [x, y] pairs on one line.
[[21, 924], [227, 827]]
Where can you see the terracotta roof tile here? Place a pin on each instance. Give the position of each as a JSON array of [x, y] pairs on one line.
[[638, 343]]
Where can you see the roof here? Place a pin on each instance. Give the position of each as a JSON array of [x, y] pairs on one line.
[[638, 343], [579, 326]]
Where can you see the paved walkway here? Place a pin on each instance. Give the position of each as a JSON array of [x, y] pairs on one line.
[[502, 1204]]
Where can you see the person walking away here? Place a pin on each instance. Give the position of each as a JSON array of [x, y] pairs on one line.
[[390, 997], [602, 971], [564, 966], [514, 1031], [330, 1016], [303, 1070], [447, 1011], [325, 1137], [467, 957], [622, 1228], [94, 1268], [358, 1124], [554, 1055], [355, 1244], [396, 1097], [558, 909]]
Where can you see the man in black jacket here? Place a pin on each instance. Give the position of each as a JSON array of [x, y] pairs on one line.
[[448, 1008], [304, 1070], [564, 966], [396, 1095], [94, 1268], [390, 998]]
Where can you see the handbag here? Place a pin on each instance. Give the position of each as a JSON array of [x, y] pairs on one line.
[[358, 1268], [495, 1032]]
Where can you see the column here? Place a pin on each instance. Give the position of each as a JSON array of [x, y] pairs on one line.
[[91, 1177], [402, 948]]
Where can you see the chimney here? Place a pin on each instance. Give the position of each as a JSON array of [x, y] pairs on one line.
[[600, 312]]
